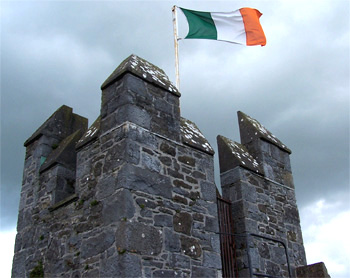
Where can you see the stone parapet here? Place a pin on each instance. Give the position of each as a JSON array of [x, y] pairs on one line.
[[132, 196], [317, 270], [266, 218]]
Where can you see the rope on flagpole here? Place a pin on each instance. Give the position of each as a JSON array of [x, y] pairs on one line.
[[176, 48]]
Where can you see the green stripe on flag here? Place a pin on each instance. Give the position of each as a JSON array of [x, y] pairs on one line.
[[201, 25]]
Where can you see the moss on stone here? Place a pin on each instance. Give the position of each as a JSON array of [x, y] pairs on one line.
[[94, 203], [38, 271]]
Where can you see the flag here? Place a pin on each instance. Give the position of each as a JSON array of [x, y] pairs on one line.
[[241, 26]]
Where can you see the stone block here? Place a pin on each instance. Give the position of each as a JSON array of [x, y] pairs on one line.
[[164, 124], [190, 247], [273, 269], [139, 179], [187, 160], [106, 187], [231, 176], [121, 265], [179, 261], [97, 244], [211, 224], [215, 243], [278, 255], [150, 162], [171, 241], [203, 272], [211, 260], [162, 273], [318, 270], [138, 238], [163, 220], [208, 191], [118, 207], [291, 215], [182, 223]]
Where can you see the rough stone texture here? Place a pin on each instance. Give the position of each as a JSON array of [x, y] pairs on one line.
[[317, 270], [61, 124], [134, 195], [113, 208], [269, 151], [265, 214], [235, 154]]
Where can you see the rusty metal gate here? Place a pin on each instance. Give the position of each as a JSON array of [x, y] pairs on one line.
[[227, 243]]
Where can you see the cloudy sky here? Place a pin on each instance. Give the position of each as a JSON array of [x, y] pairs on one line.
[[60, 52]]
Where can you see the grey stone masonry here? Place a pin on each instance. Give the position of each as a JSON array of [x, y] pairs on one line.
[[317, 270], [49, 148], [256, 177], [135, 195]]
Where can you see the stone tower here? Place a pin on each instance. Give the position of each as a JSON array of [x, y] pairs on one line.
[[134, 195], [256, 177]]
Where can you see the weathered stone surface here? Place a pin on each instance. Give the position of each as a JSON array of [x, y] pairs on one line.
[[118, 207], [168, 149], [91, 134], [143, 203], [144, 70], [64, 154], [232, 154], [203, 272], [211, 224], [163, 220], [172, 241], [61, 124], [192, 136], [208, 191], [211, 260], [182, 222], [97, 244], [165, 273], [318, 270], [132, 177], [121, 265], [190, 247], [138, 238], [263, 203], [250, 129], [179, 261]]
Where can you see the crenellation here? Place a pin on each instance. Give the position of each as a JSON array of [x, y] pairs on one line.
[[263, 203], [134, 194]]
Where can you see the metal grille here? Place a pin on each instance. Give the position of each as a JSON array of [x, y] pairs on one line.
[[227, 243]]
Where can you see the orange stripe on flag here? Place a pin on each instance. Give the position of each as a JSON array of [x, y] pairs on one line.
[[254, 32]]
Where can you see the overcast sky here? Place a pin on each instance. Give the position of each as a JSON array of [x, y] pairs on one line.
[[297, 86]]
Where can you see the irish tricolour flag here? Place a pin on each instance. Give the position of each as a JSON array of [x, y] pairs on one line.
[[241, 26]]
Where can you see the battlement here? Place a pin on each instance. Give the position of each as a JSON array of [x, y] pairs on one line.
[[134, 194], [256, 177]]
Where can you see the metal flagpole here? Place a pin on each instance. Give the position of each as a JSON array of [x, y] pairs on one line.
[[176, 49]]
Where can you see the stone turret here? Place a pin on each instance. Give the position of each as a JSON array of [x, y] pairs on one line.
[[50, 149], [256, 177], [132, 196]]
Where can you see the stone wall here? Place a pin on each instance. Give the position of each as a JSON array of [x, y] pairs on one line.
[[256, 176], [317, 270], [135, 197]]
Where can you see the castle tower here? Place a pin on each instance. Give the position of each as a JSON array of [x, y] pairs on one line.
[[132, 196], [50, 149], [256, 177]]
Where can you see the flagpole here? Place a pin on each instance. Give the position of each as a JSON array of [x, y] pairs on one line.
[[176, 48]]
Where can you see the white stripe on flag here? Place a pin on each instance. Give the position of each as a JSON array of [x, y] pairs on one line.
[[230, 27]]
